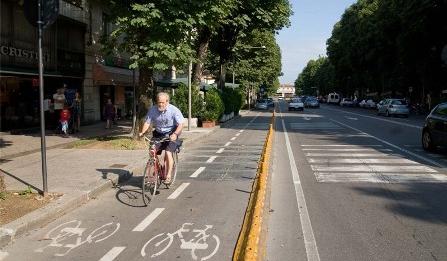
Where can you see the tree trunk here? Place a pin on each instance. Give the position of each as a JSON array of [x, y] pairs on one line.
[[222, 74], [201, 52], [145, 94]]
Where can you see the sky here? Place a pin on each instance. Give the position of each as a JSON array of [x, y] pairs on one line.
[[305, 39]]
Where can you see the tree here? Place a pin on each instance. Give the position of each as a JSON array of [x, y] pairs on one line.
[[157, 34]]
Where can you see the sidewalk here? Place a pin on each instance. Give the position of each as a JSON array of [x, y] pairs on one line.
[[78, 174]]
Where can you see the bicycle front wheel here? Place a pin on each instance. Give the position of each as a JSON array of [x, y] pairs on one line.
[[149, 183]]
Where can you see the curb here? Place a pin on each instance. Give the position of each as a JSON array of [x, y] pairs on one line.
[[247, 246], [40, 217]]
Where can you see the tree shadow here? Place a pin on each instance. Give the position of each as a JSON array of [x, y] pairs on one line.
[[422, 201]]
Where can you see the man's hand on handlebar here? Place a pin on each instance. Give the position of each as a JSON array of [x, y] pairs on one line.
[[173, 137]]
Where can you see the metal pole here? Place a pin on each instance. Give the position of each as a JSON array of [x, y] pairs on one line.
[[233, 72], [134, 109], [189, 95], [41, 88]]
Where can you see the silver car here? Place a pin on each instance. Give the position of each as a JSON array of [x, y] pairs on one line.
[[394, 107]]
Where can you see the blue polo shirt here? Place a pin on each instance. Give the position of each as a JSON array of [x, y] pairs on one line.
[[164, 121]]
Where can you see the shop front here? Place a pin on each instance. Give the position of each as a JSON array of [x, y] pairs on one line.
[[64, 65]]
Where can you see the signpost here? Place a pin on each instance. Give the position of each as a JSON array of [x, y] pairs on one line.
[[42, 13]]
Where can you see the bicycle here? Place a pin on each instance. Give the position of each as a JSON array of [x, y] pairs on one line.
[[154, 171]]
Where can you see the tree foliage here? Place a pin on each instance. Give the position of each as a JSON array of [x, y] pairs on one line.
[[386, 46]]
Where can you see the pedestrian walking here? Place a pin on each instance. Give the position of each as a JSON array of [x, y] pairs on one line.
[[76, 109], [109, 113]]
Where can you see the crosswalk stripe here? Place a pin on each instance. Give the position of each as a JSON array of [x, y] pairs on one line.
[[374, 155], [362, 160], [341, 150], [340, 145], [373, 168], [380, 178]]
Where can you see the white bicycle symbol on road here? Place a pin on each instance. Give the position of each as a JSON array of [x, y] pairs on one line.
[[198, 242], [69, 235]]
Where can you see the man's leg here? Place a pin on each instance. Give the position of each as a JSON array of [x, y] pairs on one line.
[[170, 163]]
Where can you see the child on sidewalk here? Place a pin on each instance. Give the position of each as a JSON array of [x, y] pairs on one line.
[[64, 118]]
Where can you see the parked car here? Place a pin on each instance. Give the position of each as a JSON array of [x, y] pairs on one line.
[[270, 102], [434, 132], [368, 104], [346, 102], [296, 104], [393, 107], [262, 105], [312, 102], [379, 105], [333, 98]]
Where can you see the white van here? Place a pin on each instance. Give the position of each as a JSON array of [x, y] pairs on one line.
[[333, 98]]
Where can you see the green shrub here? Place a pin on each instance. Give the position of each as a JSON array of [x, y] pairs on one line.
[[213, 107], [180, 100], [233, 100]]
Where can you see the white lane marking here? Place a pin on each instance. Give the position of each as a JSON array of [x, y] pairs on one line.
[[241, 131], [437, 164], [306, 118], [237, 134], [227, 144], [372, 168], [211, 159], [361, 160], [341, 150], [197, 172], [148, 220], [220, 150], [380, 119], [351, 118], [112, 254], [233, 138], [178, 191], [306, 225], [341, 145]]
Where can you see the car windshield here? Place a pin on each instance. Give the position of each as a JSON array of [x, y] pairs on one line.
[[296, 100]]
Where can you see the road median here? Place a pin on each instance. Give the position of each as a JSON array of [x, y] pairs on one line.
[[247, 246]]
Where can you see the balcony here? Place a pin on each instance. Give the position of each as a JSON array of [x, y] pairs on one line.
[[74, 9]]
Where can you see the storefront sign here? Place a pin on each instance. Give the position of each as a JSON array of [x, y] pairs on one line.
[[17, 52]]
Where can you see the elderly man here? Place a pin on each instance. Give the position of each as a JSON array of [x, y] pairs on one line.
[[167, 120]]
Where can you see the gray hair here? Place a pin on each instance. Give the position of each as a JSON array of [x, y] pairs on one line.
[[162, 94]]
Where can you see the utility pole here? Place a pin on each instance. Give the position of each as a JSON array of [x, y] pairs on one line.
[[189, 95]]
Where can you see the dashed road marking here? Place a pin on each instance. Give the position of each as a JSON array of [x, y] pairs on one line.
[[178, 191], [233, 138], [227, 144], [148, 220], [197, 172], [220, 150], [112, 254], [241, 131], [237, 134], [211, 159]]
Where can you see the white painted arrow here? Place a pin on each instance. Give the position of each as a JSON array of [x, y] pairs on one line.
[[307, 118], [351, 118]]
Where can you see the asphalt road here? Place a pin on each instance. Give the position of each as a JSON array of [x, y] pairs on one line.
[[347, 184], [199, 218]]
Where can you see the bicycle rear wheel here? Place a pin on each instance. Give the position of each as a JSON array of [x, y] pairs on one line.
[[149, 183]]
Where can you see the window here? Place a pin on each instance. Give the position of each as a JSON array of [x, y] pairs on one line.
[[442, 109]]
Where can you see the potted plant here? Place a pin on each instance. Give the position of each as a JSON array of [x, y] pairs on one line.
[[212, 109]]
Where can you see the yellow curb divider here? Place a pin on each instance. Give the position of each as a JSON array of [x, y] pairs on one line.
[[248, 242]]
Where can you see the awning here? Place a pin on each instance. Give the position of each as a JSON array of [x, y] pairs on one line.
[[171, 83], [107, 75]]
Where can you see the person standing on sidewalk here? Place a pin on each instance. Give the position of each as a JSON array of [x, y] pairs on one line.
[[109, 113], [59, 102], [167, 120], [76, 108]]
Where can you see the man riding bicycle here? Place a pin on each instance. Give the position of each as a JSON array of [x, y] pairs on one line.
[[167, 120]]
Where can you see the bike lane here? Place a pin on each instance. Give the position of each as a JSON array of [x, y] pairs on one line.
[[199, 218]]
